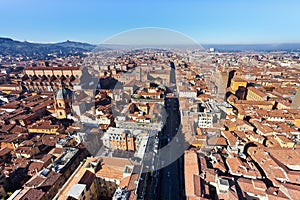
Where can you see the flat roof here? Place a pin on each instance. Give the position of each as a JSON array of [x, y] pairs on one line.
[[76, 190]]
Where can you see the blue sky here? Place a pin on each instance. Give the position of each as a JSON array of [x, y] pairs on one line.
[[207, 21]]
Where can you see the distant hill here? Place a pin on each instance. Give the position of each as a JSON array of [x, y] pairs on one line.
[[43, 50], [12, 47]]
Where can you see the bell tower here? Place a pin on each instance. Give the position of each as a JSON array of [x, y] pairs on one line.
[[63, 103]]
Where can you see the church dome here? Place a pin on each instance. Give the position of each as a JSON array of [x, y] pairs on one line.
[[63, 94]]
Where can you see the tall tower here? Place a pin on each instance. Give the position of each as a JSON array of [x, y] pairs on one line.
[[296, 100], [63, 103], [130, 143], [138, 73]]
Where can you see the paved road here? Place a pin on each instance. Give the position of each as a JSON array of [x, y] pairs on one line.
[[169, 175], [171, 185]]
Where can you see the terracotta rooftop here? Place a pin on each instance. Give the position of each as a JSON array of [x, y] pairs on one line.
[[251, 186], [241, 168], [30, 194], [4, 151], [191, 168]]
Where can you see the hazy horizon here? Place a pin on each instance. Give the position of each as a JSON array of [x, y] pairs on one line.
[[87, 42]]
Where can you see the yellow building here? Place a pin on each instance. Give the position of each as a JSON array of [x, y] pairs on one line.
[[126, 142], [284, 141], [144, 108], [49, 78], [199, 141], [53, 71], [297, 121], [45, 127], [8, 88], [255, 94], [236, 83], [253, 137]]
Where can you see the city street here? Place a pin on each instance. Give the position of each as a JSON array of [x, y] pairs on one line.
[[171, 181]]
